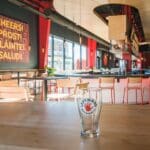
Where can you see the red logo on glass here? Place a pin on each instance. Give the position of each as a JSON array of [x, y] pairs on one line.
[[88, 106]]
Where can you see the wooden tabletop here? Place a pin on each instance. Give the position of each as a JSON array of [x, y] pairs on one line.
[[56, 126]]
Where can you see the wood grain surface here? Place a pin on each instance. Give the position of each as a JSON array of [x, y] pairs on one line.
[[56, 126]]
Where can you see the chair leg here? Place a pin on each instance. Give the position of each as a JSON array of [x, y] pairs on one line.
[[127, 96], [69, 89], [136, 95], [142, 93], [58, 98], [124, 91], [111, 96], [96, 94], [149, 94], [114, 96], [101, 96]]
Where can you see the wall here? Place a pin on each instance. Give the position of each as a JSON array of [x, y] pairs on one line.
[[146, 60], [127, 57], [12, 11], [145, 50]]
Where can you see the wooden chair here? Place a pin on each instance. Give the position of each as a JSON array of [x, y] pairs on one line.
[[63, 89], [133, 83], [108, 83], [6, 76], [82, 87], [74, 81], [11, 94], [29, 82], [8, 83], [93, 82]]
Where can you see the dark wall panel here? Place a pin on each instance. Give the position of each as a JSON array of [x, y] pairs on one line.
[[15, 12], [146, 60]]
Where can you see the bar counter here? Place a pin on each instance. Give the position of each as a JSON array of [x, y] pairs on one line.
[[97, 75], [120, 84], [56, 126]]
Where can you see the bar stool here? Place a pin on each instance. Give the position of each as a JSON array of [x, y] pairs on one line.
[[133, 83], [108, 83]]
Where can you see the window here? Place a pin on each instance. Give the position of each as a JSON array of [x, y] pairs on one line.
[[50, 52], [68, 55], [58, 53], [84, 57], [77, 56], [64, 54]]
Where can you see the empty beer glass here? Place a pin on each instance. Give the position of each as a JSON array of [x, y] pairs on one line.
[[89, 106]]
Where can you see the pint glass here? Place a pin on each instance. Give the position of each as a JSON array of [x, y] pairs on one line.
[[89, 106]]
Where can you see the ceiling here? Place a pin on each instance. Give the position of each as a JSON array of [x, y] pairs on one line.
[[81, 12]]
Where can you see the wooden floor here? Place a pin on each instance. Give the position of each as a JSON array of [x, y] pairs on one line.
[[56, 126]]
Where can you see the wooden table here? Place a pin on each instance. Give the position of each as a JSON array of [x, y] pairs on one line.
[[55, 126]]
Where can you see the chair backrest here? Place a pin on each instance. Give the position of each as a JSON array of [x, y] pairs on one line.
[[93, 82], [64, 83], [8, 83], [135, 80], [30, 74], [16, 93], [107, 81], [6, 76], [81, 86], [75, 80]]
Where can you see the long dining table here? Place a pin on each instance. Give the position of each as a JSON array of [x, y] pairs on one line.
[[56, 126]]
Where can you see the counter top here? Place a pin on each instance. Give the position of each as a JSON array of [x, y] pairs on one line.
[[96, 75]]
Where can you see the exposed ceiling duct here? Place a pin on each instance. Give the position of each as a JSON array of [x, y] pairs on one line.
[[59, 19]]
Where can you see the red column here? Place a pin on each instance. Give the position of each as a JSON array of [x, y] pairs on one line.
[[91, 53], [127, 56], [139, 61], [44, 32]]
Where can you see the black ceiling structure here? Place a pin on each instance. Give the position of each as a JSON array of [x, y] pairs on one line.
[[132, 13]]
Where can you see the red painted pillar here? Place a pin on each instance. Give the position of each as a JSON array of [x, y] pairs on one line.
[[139, 61], [91, 53], [44, 32], [127, 56]]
